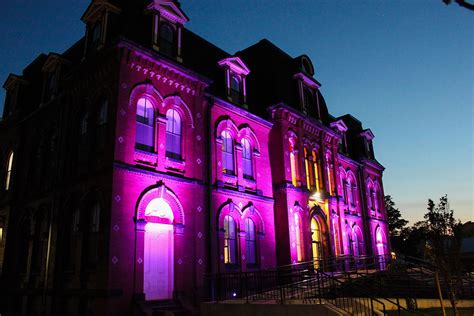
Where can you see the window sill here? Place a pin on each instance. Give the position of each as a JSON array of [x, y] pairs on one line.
[[145, 157], [174, 164], [229, 179]]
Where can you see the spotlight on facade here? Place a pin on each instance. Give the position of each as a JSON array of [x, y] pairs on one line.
[[316, 196]]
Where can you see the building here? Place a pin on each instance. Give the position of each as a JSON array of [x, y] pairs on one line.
[[144, 157]]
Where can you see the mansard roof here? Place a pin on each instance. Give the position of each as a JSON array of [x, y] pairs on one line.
[[272, 79]]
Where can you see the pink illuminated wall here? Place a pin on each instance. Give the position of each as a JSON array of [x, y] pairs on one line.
[[173, 198]]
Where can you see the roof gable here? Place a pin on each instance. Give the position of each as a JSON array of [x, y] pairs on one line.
[[170, 10], [236, 65], [12, 81], [339, 125], [367, 134], [53, 61], [92, 12]]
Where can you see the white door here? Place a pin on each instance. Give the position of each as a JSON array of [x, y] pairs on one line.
[[158, 269]]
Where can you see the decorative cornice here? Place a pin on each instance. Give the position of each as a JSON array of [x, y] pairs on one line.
[[367, 134], [310, 82], [236, 65], [169, 10], [90, 15]]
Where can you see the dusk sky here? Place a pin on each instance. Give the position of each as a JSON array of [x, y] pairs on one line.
[[404, 68]]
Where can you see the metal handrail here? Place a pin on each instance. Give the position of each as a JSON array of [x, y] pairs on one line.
[[302, 281]]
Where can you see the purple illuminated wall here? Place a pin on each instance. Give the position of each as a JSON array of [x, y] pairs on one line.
[[194, 211]]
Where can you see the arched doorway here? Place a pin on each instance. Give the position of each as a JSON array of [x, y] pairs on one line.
[[316, 243], [158, 274], [380, 247]]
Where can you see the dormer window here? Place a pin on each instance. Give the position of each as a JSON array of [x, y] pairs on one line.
[[235, 73], [96, 33], [309, 106], [50, 85], [52, 70], [168, 21], [167, 42], [368, 136], [97, 18], [343, 144], [341, 128], [235, 91], [12, 86]]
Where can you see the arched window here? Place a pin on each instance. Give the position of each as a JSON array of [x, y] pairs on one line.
[[299, 238], [250, 241], [335, 227], [293, 163], [316, 242], [376, 197], [247, 159], [317, 171], [350, 241], [227, 153], [369, 196], [379, 241], [235, 90], [380, 247], [145, 125], [173, 134], [230, 240], [330, 174], [309, 170], [167, 39], [343, 188], [350, 192], [8, 176]]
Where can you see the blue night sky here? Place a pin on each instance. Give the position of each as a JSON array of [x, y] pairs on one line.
[[404, 68]]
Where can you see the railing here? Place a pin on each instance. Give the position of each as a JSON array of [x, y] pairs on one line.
[[304, 282]]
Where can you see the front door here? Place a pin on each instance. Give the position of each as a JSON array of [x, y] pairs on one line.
[[158, 265]]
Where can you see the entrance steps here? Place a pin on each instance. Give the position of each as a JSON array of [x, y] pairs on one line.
[[161, 308]]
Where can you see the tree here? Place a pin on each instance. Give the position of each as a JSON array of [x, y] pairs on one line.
[[444, 243], [396, 224], [395, 221]]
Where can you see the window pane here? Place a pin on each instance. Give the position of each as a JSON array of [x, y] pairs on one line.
[[230, 241], [9, 172], [144, 134], [173, 134], [145, 111], [250, 242], [227, 153], [167, 45]]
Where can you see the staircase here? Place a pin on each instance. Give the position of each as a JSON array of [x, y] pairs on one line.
[[161, 308], [360, 286]]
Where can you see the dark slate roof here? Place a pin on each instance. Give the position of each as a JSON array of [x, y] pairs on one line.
[[271, 79]]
